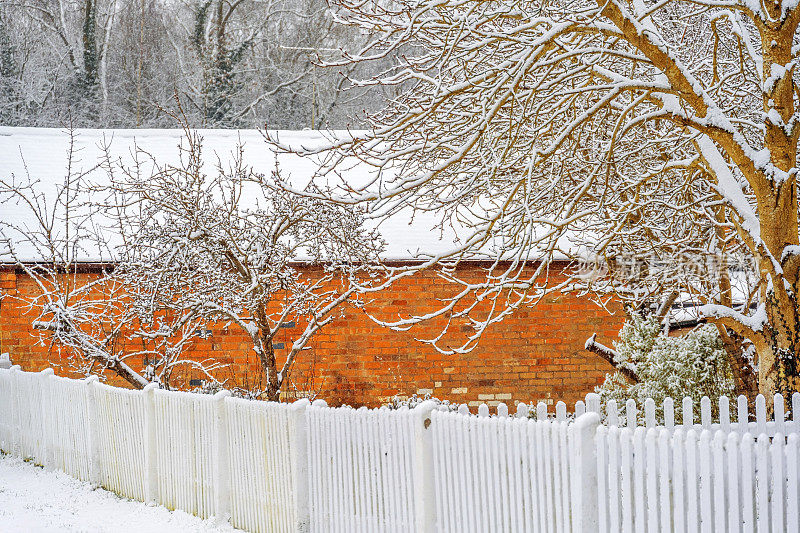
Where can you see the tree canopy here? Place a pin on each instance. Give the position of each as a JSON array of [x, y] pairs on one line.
[[655, 139]]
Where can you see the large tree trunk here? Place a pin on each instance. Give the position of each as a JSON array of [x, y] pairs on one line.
[[89, 38], [745, 379], [776, 196], [779, 371], [779, 346]]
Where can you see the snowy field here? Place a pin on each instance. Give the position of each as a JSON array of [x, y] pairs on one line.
[[32, 500]]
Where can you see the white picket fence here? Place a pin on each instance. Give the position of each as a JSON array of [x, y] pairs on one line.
[[654, 480], [307, 467]]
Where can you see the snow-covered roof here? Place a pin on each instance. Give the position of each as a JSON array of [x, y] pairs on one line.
[[42, 154]]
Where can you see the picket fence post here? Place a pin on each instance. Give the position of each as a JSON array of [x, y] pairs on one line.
[[46, 428], [585, 513], [150, 445], [299, 456], [15, 443], [593, 403], [424, 491], [222, 479], [5, 418], [95, 461]]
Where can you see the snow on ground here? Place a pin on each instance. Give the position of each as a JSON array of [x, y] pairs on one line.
[[35, 501]]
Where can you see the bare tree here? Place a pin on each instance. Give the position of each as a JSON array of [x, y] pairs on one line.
[[259, 64], [81, 306], [225, 245], [78, 32], [662, 133], [111, 63]]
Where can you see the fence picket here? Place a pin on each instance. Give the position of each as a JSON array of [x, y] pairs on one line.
[[650, 413], [561, 411], [612, 416], [748, 484], [724, 414], [741, 414], [796, 411], [626, 488], [761, 415], [565, 461], [705, 412], [678, 489], [639, 516], [630, 413], [692, 485], [792, 481], [593, 403], [669, 413], [719, 500], [651, 473], [541, 476], [778, 476], [603, 510], [664, 480], [518, 473], [687, 413], [762, 481], [502, 410], [706, 483], [614, 489], [733, 465], [558, 490], [580, 408], [779, 415], [541, 411]]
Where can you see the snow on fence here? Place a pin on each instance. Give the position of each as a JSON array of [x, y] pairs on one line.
[[307, 467]]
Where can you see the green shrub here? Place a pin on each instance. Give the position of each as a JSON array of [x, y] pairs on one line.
[[693, 365]]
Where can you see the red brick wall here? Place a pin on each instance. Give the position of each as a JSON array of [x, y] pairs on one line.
[[536, 354]]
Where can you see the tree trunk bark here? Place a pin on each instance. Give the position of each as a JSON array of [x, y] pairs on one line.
[[89, 39], [745, 380], [779, 371], [776, 197], [266, 353], [270, 367]]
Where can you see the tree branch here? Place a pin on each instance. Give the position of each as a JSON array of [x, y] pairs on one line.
[[610, 355]]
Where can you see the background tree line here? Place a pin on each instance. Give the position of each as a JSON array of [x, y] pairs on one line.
[[233, 63]]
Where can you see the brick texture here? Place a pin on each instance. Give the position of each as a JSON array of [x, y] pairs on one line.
[[535, 354]]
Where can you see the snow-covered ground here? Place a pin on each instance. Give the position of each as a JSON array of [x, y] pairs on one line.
[[32, 500]]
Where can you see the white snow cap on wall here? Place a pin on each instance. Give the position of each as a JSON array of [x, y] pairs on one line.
[[43, 154]]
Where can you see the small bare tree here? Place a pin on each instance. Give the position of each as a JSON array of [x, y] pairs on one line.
[[224, 245], [81, 307]]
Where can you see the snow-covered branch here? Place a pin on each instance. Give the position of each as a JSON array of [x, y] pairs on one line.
[[651, 144]]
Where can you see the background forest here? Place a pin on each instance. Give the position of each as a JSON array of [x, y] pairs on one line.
[[232, 63]]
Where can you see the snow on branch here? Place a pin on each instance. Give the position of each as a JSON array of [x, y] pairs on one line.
[[612, 357], [222, 245], [652, 147]]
